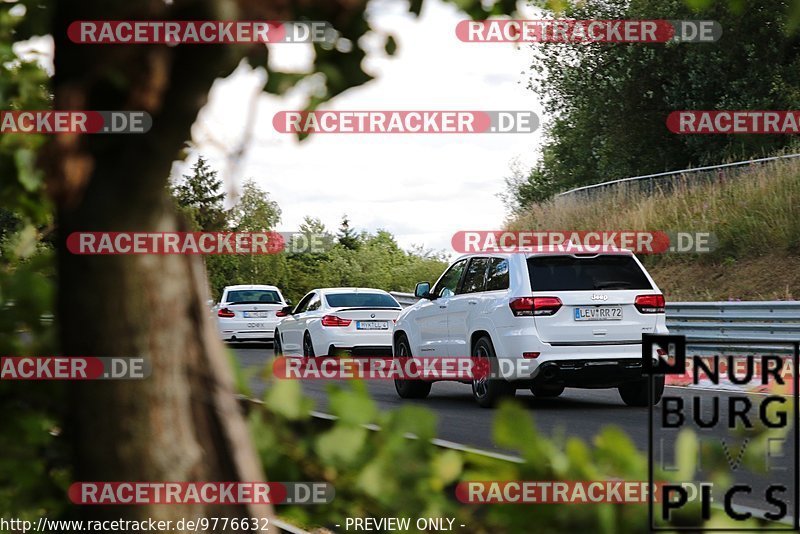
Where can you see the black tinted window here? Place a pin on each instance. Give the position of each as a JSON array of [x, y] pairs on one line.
[[475, 278], [361, 300], [250, 296], [567, 273], [303, 304], [449, 282], [497, 277]]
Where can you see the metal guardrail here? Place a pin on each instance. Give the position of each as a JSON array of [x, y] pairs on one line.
[[647, 182], [405, 299], [726, 322]]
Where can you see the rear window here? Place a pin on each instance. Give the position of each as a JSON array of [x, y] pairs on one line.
[[251, 296], [361, 300], [568, 273]]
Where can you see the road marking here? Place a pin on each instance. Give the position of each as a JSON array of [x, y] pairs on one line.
[[435, 441]]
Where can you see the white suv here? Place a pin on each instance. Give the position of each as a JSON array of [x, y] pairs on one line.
[[557, 317]]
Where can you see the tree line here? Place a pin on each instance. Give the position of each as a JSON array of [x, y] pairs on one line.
[[606, 104], [346, 258]]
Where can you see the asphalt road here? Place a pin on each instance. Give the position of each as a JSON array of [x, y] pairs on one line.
[[577, 412]]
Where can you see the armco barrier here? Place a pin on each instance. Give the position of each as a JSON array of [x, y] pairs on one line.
[[649, 183], [729, 323]]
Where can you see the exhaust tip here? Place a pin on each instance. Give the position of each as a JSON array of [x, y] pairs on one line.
[[549, 372]]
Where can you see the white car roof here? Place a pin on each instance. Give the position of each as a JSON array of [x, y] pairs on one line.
[[551, 250], [325, 290], [252, 286]]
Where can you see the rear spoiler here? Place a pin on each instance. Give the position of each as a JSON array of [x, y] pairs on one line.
[[369, 308]]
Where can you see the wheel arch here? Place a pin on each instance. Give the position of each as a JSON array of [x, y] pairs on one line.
[[475, 336]]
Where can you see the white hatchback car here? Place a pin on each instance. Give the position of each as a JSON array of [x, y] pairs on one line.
[[248, 312], [558, 317], [332, 321]]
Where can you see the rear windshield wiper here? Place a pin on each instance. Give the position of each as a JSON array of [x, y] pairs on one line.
[[612, 284]]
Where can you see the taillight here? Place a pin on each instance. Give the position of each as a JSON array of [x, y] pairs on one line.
[[530, 306], [650, 304], [225, 312], [332, 320]]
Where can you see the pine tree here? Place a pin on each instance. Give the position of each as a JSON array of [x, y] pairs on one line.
[[200, 197], [346, 236]]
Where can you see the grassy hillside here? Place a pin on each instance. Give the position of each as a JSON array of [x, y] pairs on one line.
[[755, 217]]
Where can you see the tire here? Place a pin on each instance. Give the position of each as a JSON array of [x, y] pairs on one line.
[[276, 344], [547, 391], [637, 394], [308, 346], [488, 392], [409, 389]]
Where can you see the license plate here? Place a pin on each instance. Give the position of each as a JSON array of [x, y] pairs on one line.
[[598, 313], [372, 325], [255, 315]]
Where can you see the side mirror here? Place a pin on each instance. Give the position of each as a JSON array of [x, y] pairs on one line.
[[283, 312], [422, 290], [289, 302]]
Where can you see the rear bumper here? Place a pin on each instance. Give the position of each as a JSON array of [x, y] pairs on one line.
[[241, 335], [362, 343], [250, 329], [594, 364], [360, 350], [606, 373]]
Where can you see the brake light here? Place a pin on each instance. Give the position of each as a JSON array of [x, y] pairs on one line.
[[281, 313], [530, 306], [332, 320], [225, 312], [650, 304]]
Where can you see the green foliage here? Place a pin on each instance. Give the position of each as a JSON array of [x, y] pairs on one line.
[[316, 259], [377, 262], [200, 198], [33, 465], [397, 472], [254, 211], [606, 104], [346, 236]]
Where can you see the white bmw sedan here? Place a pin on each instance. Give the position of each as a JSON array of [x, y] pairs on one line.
[[248, 312], [333, 321]]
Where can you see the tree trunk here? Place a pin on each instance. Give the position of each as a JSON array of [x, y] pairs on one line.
[[182, 423]]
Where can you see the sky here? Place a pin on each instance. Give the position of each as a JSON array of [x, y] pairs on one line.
[[420, 187]]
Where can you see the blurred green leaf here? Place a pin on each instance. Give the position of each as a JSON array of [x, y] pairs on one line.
[[686, 450]]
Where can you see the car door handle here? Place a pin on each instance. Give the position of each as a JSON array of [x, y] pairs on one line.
[[473, 302], [442, 306]]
